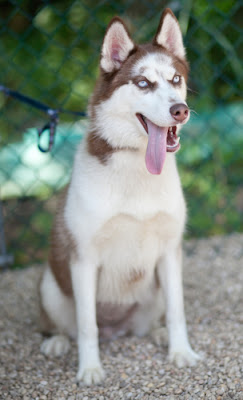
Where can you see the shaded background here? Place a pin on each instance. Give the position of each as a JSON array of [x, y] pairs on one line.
[[50, 50]]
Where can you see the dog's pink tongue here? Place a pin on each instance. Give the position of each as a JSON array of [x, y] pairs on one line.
[[156, 149]]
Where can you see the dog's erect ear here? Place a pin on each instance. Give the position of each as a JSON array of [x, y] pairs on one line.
[[116, 46], [169, 34]]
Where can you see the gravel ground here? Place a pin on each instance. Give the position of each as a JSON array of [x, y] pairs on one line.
[[136, 368]]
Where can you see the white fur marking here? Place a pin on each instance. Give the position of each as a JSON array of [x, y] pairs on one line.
[[155, 65], [84, 285], [179, 348]]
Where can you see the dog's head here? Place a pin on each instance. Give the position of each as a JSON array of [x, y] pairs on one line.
[[140, 96]]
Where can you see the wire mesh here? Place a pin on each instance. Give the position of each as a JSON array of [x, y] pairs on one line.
[[50, 51]]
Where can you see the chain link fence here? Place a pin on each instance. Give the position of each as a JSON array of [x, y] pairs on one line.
[[50, 51]]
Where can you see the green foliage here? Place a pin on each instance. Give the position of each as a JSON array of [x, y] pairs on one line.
[[50, 51]]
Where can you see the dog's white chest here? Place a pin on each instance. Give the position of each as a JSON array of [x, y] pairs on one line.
[[128, 218], [128, 251]]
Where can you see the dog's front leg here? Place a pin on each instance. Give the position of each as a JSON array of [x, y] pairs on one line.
[[84, 277], [170, 271]]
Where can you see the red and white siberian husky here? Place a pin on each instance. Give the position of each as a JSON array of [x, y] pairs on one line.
[[115, 258]]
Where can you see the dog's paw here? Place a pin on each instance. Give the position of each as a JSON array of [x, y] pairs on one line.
[[159, 336], [55, 346], [90, 375], [184, 357]]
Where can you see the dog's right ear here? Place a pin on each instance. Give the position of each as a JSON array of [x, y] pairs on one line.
[[117, 45]]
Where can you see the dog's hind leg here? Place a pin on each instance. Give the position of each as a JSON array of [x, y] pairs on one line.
[[57, 310], [149, 314]]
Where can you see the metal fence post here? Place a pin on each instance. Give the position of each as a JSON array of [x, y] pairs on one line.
[[5, 259]]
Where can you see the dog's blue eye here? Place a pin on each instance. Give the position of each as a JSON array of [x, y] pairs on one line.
[[143, 84], [176, 79]]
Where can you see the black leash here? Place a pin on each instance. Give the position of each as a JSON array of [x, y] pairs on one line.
[[51, 112]]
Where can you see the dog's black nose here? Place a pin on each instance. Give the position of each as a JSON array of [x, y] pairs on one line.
[[179, 112]]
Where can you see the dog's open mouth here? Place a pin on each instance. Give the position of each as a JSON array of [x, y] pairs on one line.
[[172, 143], [160, 140]]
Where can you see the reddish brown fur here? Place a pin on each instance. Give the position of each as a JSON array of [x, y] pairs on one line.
[[151, 85], [62, 245], [181, 66], [109, 82], [99, 147], [46, 325], [136, 276]]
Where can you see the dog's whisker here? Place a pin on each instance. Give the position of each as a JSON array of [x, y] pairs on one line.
[[192, 91], [193, 111]]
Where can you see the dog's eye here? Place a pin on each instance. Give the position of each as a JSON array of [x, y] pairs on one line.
[[176, 79], [143, 84]]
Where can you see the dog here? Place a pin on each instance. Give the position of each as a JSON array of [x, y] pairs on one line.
[[115, 264]]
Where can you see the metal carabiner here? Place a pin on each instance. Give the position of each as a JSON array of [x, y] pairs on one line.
[[51, 127]]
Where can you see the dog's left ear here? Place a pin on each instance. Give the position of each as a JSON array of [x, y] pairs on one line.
[[169, 34], [116, 46]]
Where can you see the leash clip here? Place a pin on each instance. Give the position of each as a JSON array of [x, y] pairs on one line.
[[52, 113], [51, 127]]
